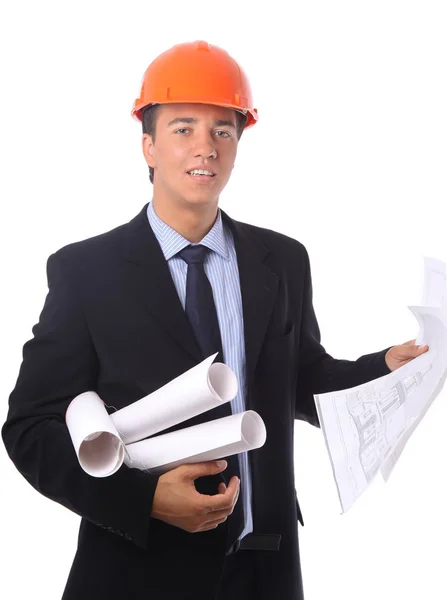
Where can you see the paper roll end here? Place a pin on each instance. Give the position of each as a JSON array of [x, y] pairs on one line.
[[101, 454], [222, 382], [253, 429]]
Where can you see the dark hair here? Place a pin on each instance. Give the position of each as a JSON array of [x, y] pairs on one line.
[[150, 120]]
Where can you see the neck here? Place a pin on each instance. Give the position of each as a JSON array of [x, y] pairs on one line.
[[192, 222]]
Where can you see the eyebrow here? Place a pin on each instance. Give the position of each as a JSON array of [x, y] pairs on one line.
[[192, 120]]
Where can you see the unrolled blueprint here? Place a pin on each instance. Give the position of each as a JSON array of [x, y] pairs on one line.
[[366, 427]]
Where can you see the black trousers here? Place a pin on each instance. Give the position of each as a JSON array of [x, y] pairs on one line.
[[238, 578]]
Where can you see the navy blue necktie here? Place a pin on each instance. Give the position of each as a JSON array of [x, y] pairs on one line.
[[201, 312]]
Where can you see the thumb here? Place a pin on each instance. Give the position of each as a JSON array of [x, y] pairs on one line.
[[195, 470], [422, 349], [416, 350]]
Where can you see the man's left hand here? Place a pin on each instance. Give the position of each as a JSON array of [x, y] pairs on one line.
[[398, 356]]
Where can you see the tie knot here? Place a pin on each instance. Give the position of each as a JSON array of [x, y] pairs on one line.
[[194, 254]]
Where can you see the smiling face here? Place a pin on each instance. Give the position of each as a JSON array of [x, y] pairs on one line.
[[188, 137]]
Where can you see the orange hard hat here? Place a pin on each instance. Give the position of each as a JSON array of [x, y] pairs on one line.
[[196, 72]]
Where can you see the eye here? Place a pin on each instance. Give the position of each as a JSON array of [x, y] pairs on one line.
[[225, 132], [181, 129]]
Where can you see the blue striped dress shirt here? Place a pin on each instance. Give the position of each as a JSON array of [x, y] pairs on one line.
[[222, 271]]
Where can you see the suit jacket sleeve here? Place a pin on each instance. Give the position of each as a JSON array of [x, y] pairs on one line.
[[58, 364], [318, 372]]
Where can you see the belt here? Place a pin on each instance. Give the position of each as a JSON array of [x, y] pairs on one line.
[[256, 541]]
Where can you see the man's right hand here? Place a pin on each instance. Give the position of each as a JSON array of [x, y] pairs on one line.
[[177, 502]]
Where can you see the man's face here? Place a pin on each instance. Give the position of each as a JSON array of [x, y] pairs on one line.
[[187, 137]]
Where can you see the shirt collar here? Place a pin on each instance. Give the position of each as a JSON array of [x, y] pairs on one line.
[[171, 242]]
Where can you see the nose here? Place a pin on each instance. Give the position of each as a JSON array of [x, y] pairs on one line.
[[205, 145]]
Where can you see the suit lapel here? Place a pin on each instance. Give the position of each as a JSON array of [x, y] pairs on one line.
[[259, 287], [154, 281]]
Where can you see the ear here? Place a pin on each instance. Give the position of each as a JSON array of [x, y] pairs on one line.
[[148, 149]]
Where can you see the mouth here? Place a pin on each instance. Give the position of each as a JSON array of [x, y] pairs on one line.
[[201, 177]]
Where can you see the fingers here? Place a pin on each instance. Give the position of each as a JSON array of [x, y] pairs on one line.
[[405, 359], [224, 500], [413, 343], [405, 352], [415, 351], [213, 524], [220, 516], [236, 496], [195, 470]]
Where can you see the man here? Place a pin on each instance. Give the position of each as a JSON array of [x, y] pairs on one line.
[[120, 318]]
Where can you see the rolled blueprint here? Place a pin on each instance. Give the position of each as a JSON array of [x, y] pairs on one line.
[[207, 441], [99, 438], [202, 388], [97, 443]]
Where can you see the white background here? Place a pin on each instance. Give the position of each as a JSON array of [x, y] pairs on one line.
[[349, 157]]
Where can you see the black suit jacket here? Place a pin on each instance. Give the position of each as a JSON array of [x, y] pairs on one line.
[[112, 322]]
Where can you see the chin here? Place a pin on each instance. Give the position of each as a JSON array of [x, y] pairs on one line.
[[201, 200]]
